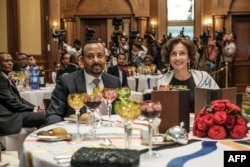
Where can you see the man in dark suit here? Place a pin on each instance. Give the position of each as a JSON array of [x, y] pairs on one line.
[[15, 112], [118, 69], [80, 81]]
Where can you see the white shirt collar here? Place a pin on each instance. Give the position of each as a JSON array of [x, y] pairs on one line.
[[89, 84]]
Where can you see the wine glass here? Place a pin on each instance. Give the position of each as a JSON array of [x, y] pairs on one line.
[[123, 93], [109, 94], [150, 110], [92, 102], [128, 111], [76, 101]]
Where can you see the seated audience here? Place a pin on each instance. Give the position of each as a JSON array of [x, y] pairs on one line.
[[72, 66], [15, 112], [179, 54], [80, 81], [118, 70]]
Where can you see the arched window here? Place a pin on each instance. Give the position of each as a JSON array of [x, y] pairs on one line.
[[180, 18]]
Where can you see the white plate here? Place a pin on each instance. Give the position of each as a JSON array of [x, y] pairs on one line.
[[51, 138], [73, 120]]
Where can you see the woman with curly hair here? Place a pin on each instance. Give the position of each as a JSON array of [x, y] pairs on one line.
[[179, 54]]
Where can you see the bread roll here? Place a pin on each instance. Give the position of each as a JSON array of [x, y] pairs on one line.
[[43, 133], [84, 117], [59, 131], [73, 116]]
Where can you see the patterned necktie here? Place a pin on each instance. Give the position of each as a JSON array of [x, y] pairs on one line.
[[96, 81]]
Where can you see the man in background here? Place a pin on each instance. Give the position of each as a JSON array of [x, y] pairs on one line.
[[118, 70], [76, 48]]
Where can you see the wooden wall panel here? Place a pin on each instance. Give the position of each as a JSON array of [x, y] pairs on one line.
[[3, 26]]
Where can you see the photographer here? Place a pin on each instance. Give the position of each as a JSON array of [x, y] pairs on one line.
[[76, 48], [228, 53], [123, 47]]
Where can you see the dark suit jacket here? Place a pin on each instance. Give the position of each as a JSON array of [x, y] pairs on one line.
[[11, 105], [71, 83], [114, 71]]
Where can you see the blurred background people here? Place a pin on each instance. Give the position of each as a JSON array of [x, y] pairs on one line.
[[75, 48], [118, 70]]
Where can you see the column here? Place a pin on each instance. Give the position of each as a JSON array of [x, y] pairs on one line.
[[219, 22]]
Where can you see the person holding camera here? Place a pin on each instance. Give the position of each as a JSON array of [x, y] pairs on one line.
[[123, 47], [228, 53], [77, 47]]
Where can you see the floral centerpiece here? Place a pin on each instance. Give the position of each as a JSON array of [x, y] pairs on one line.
[[220, 119]]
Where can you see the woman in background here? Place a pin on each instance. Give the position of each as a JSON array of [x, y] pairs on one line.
[[179, 54]]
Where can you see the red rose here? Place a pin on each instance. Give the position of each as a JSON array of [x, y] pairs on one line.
[[209, 119], [199, 133], [240, 121], [230, 121], [202, 112], [217, 132], [201, 124], [233, 107], [238, 131], [220, 117], [218, 105]]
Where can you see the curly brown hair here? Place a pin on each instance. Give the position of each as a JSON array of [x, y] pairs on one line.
[[168, 47]]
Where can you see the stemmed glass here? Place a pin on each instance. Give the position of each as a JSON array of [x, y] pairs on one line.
[[150, 110], [109, 94], [92, 102], [128, 111], [76, 101]]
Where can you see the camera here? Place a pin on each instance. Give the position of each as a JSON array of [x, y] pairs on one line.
[[60, 35], [148, 37], [117, 21], [204, 39], [132, 36], [219, 35], [89, 33]]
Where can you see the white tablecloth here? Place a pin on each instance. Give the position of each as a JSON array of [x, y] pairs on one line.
[[36, 96], [37, 153]]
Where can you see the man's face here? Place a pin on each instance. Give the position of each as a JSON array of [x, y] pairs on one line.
[[147, 61], [123, 41], [6, 63], [139, 41], [121, 59], [66, 59], [94, 59], [23, 61], [32, 61]]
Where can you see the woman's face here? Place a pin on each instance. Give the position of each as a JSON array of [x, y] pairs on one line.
[[179, 58]]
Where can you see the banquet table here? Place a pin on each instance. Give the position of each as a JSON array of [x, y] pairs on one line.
[[198, 152], [36, 96], [142, 82]]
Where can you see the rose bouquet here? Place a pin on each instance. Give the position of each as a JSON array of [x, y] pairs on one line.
[[220, 119]]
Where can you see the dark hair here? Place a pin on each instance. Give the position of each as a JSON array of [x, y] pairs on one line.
[[91, 42], [122, 54], [77, 42], [168, 47], [18, 54], [2, 53]]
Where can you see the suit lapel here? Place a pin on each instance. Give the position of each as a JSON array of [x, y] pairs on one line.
[[80, 83]]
